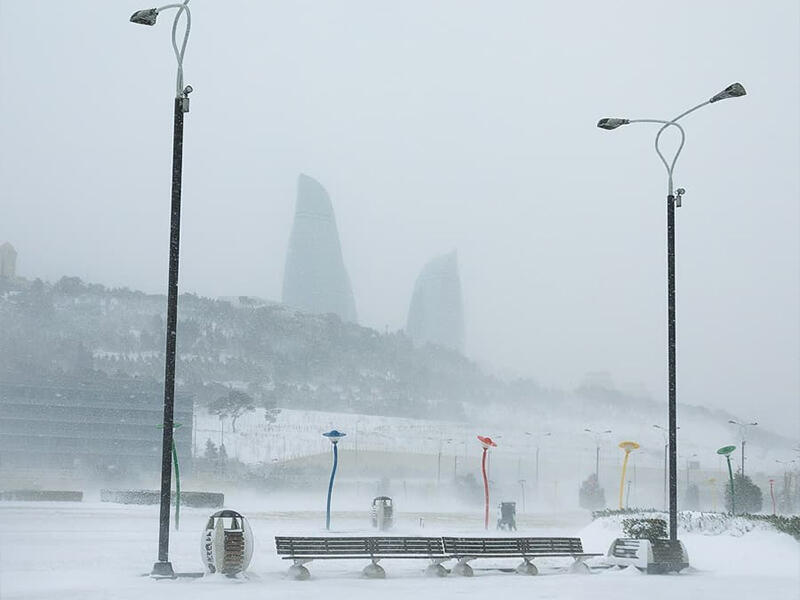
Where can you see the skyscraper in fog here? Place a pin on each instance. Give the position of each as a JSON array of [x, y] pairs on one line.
[[315, 279], [436, 314], [8, 260]]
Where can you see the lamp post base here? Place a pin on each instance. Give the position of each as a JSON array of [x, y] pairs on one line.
[[163, 570]]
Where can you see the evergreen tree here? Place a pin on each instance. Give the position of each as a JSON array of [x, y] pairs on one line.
[[747, 495], [591, 496], [211, 452], [691, 500]]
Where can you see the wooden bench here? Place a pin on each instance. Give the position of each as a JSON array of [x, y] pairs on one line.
[[467, 549], [303, 550]]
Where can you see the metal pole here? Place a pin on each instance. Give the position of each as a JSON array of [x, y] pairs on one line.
[[522, 485], [597, 463], [673, 422], [163, 567], [439, 467], [743, 443], [485, 491], [666, 471], [772, 493], [330, 487], [537, 472]]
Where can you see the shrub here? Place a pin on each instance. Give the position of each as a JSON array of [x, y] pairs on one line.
[[645, 529]]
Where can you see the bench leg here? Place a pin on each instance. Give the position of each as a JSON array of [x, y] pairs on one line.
[[527, 568], [579, 567], [374, 571], [462, 567], [436, 569], [298, 571]]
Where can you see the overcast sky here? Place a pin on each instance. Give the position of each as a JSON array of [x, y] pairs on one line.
[[437, 125]]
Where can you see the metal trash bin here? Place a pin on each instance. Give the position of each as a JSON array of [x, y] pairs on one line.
[[227, 543], [382, 512], [506, 518]]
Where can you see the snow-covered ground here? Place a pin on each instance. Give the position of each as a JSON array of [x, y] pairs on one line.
[[93, 550]]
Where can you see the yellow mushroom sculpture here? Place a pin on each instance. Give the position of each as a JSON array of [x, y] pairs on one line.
[[628, 447]]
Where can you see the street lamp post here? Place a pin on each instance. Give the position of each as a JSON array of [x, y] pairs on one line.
[[597, 435], [163, 568], [334, 437], [486, 443], [688, 465], [665, 433], [673, 200], [743, 436], [537, 437]]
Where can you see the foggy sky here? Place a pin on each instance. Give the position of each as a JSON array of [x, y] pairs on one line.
[[436, 126]]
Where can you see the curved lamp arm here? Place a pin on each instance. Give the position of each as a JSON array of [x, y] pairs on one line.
[[179, 54], [149, 16], [734, 90]]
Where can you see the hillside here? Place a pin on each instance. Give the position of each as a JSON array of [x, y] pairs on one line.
[[284, 358], [279, 356]]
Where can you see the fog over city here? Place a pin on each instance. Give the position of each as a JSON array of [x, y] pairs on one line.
[[437, 127], [424, 321]]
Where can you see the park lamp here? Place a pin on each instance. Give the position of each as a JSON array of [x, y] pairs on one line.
[[334, 436], [486, 442], [734, 90], [726, 451]]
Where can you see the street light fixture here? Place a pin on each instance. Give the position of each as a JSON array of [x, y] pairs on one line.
[[743, 436], [163, 568], [334, 437], [673, 201]]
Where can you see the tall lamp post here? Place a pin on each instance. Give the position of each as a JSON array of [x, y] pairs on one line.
[[742, 436], [486, 443], [597, 436], [726, 451], [537, 437], [334, 437], [673, 201], [163, 568]]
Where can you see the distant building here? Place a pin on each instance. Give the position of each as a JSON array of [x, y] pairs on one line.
[[315, 279], [436, 313], [8, 260], [87, 431]]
